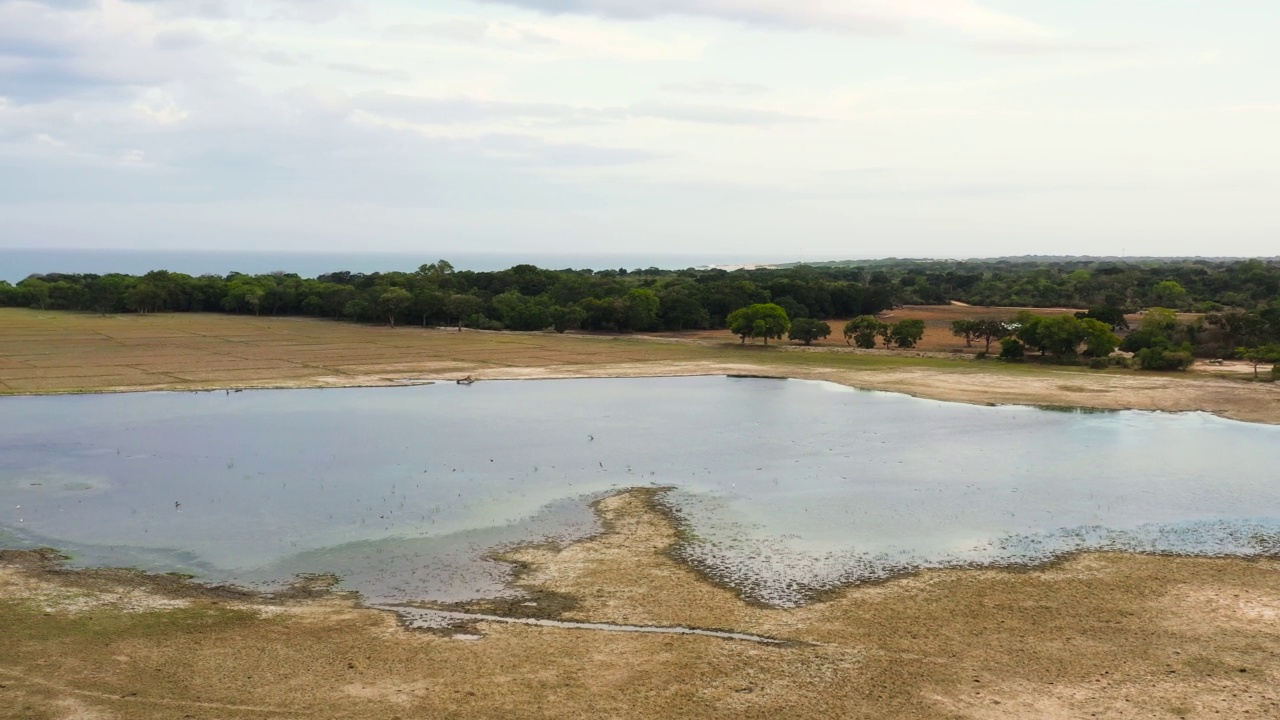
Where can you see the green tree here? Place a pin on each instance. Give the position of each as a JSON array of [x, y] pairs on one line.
[[37, 291], [640, 310], [967, 329], [1099, 340], [806, 330], [990, 330], [863, 331], [1012, 349], [393, 301], [521, 312], [1258, 356], [762, 320], [1162, 358], [1169, 293], [1060, 335], [460, 307], [906, 333], [567, 318]]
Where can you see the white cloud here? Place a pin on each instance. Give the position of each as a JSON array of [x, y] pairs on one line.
[[857, 16]]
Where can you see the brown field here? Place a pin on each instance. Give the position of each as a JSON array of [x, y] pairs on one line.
[[43, 352], [1099, 635]]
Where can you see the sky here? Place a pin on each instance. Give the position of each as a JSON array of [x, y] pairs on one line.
[[813, 129]]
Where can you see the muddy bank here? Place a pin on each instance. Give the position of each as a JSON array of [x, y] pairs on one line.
[[1111, 635]]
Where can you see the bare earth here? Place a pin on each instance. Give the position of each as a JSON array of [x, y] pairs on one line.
[[1099, 635]]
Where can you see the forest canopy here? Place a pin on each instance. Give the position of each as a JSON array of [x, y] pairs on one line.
[[526, 297]]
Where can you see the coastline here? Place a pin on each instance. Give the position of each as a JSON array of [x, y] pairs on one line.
[[1225, 398]]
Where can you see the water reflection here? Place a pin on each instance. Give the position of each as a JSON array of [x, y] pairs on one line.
[[788, 487]]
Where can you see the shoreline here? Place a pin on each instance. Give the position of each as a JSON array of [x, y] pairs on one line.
[[1104, 392], [1019, 636], [68, 353]]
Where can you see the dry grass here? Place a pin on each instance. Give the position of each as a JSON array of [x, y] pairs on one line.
[[43, 352], [1100, 635]]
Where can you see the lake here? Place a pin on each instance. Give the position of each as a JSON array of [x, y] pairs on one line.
[[789, 487]]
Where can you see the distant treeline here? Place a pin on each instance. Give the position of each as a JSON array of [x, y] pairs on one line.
[[526, 297]]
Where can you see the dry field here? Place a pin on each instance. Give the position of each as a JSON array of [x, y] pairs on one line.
[[43, 352], [1114, 636], [69, 352], [937, 323]]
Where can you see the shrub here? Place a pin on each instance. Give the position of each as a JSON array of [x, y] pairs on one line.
[[1161, 359], [1100, 363], [1012, 349]]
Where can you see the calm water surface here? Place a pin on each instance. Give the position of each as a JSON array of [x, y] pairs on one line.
[[788, 486]]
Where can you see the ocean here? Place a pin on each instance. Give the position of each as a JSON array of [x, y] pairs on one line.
[[17, 264]]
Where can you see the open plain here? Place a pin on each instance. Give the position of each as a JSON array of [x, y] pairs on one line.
[[60, 352], [1095, 635]]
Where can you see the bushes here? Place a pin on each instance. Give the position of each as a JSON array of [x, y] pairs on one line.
[[1155, 358], [806, 330], [1012, 349]]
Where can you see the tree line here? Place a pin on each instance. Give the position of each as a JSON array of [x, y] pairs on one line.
[[1241, 298], [523, 297]]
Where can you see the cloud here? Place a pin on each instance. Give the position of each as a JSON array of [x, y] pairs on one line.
[[714, 87], [875, 17], [459, 111]]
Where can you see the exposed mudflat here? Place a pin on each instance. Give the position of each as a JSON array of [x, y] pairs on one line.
[[1106, 635]]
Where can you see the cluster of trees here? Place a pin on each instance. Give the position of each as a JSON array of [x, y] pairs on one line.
[[1160, 342], [864, 330], [1192, 285], [523, 297]]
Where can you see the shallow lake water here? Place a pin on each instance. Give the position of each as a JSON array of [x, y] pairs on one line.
[[787, 487]]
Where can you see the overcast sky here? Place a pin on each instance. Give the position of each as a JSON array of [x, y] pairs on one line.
[[811, 128]]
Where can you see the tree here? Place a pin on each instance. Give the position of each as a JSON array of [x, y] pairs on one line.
[[1060, 335], [460, 307], [1264, 355], [1159, 320], [762, 320], [990, 330], [1169, 293], [640, 310], [1028, 330], [393, 301], [566, 318], [1012, 349], [1160, 358], [967, 329], [1099, 340], [863, 331], [1108, 314], [806, 330], [428, 302], [906, 333]]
